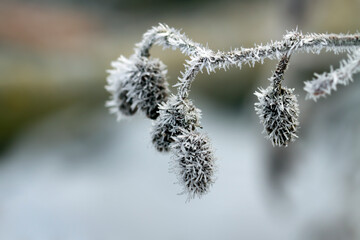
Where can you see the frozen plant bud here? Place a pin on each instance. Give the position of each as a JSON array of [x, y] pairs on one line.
[[149, 87], [278, 112], [119, 102], [137, 82], [175, 114], [194, 163], [278, 108]]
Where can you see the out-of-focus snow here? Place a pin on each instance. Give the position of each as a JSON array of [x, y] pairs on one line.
[[104, 180]]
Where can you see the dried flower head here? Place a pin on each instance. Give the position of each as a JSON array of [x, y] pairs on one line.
[[278, 112], [194, 163], [138, 82], [175, 114]]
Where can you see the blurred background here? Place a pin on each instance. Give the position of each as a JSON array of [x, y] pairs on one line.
[[68, 170]]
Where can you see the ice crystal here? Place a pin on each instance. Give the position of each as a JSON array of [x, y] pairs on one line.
[[194, 163], [175, 114]]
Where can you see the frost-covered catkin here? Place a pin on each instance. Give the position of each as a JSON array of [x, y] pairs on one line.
[[175, 114], [194, 163], [279, 114], [137, 82], [119, 76], [278, 108]]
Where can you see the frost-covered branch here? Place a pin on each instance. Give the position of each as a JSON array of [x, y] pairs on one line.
[[293, 42], [201, 56], [167, 37], [323, 84], [139, 82]]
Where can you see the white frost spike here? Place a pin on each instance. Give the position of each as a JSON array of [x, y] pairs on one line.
[[194, 163], [278, 112], [323, 84]]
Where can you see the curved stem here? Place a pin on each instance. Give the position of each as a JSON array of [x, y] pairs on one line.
[[166, 37], [278, 75]]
